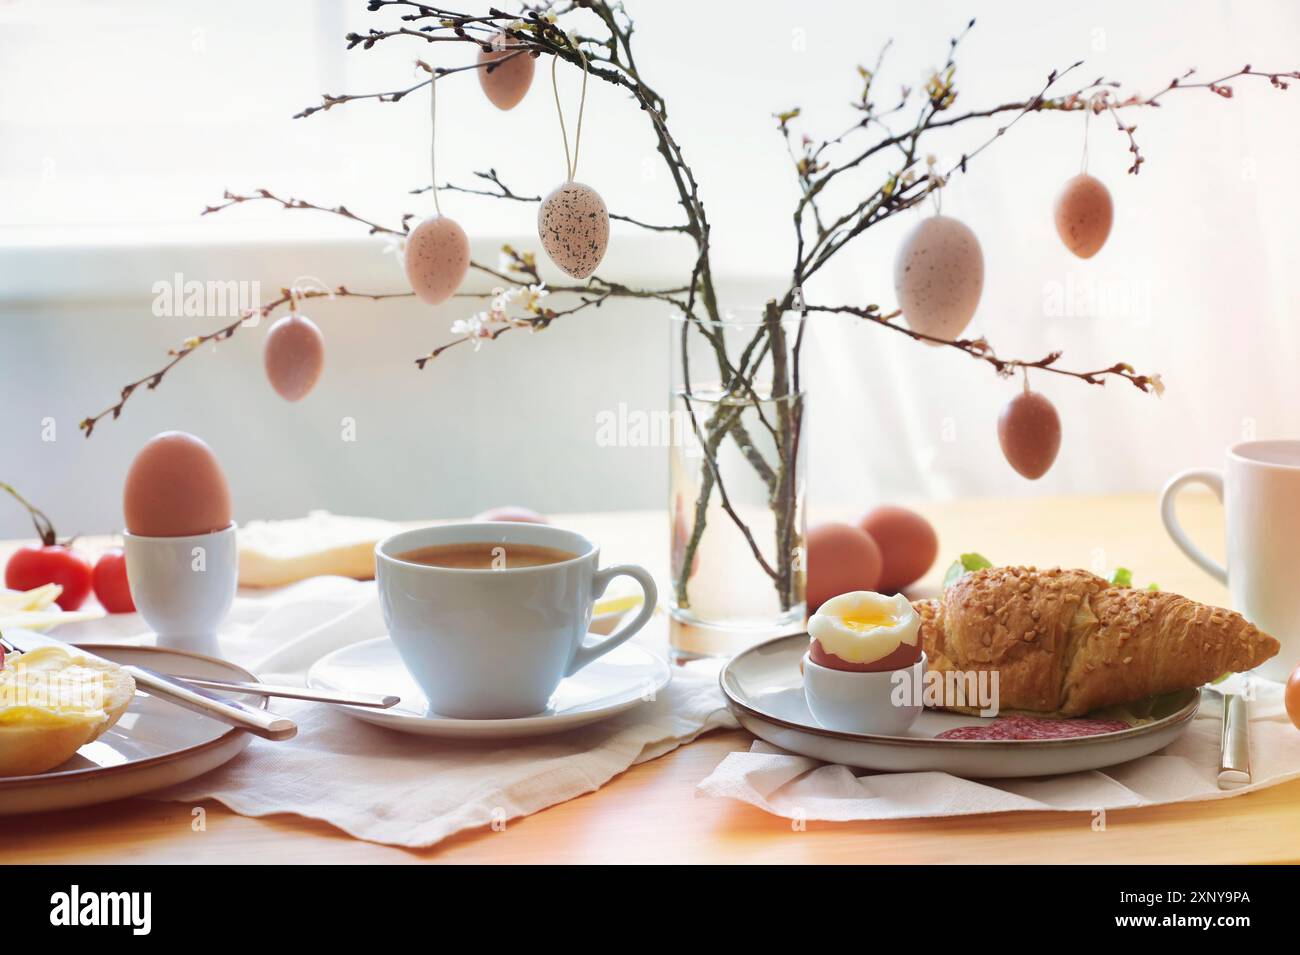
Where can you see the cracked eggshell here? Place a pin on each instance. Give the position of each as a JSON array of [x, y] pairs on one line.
[[506, 84], [437, 259], [294, 356], [573, 225], [938, 276], [1084, 214]]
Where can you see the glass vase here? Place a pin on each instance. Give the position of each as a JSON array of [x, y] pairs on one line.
[[736, 498]]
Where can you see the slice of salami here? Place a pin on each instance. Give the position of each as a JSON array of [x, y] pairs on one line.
[[1030, 727]]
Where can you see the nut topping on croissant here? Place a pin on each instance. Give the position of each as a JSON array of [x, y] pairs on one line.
[[1065, 642]]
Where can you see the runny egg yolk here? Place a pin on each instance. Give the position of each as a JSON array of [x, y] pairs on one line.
[[864, 621]]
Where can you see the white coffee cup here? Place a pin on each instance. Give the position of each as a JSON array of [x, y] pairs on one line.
[[183, 586], [1260, 492], [495, 643]]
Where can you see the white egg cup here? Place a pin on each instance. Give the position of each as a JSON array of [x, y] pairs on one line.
[[853, 702], [183, 586]]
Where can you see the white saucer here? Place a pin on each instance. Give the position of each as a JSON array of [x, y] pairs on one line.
[[618, 681]]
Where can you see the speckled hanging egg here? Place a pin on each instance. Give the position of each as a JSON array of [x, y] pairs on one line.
[[1084, 213], [437, 258], [294, 356], [573, 225], [507, 82], [938, 277]]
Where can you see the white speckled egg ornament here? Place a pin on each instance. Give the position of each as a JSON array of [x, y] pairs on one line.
[[938, 277], [437, 250], [572, 222], [573, 225]]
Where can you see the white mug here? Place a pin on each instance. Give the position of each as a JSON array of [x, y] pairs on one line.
[[495, 643], [1260, 492], [184, 586]]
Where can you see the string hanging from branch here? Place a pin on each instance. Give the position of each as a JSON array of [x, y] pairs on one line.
[[572, 222], [437, 250]]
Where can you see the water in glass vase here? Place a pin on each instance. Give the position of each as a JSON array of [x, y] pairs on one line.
[[737, 491]]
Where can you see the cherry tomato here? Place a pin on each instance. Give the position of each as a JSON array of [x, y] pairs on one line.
[[1293, 697], [111, 586], [34, 566]]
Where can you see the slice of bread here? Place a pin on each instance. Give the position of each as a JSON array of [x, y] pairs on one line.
[[35, 739], [274, 553]]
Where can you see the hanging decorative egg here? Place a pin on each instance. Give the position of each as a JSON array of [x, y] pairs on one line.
[[573, 225], [1029, 431], [294, 356], [1084, 213], [437, 258], [938, 277], [506, 83]]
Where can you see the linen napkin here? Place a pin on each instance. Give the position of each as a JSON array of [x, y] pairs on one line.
[[800, 788], [383, 786]]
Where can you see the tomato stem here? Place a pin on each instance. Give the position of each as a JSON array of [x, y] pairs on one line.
[[44, 527]]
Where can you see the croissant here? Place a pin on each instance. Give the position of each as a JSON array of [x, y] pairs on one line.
[[1065, 642]]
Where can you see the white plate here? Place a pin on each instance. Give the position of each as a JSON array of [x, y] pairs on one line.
[[764, 688], [154, 745], [623, 678]]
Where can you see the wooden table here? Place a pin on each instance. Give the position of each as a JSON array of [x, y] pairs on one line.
[[650, 813]]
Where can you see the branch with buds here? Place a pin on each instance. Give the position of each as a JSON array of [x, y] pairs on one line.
[[601, 42]]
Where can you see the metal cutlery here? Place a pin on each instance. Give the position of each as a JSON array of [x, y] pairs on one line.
[[294, 692], [1234, 742]]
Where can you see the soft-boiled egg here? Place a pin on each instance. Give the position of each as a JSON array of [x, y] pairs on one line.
[[865, 631]]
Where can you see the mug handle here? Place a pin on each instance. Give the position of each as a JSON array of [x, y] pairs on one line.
[[600, 580], [1214, 481]]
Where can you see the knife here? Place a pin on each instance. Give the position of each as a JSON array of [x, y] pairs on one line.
[[1234, 742], [231, 712]]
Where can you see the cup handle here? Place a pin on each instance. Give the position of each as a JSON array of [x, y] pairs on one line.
[[1214, 481], [600, 580]]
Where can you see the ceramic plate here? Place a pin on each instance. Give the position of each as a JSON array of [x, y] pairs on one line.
[[155, 744], [764, 689], [618, 681]]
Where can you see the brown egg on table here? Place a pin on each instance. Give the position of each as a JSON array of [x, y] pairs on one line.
[[294, 356], [1029, 430], [939, 276], [507, 82], [840, 558], [1084, 213], [573, 226], [908, 545], [437, 259], [175, 488], [511, 513]]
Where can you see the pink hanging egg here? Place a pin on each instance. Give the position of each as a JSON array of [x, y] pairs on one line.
[[508, 82], [294, 356], [1084, 213], [437, 259]]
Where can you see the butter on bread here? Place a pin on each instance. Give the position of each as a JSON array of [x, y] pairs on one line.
[[274, 553], [1066, 642], [53, 701]]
